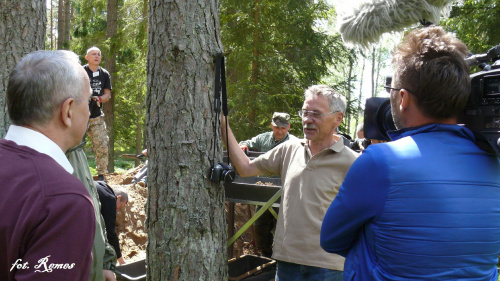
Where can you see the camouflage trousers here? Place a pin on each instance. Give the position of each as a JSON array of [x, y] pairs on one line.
[[99, 137]]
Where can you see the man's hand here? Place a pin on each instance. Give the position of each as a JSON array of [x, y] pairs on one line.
[[108, 275], [244, 148], [97, 100], [121, 261]]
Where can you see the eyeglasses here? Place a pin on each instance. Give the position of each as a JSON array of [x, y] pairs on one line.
[[313, 114], [389, 89]]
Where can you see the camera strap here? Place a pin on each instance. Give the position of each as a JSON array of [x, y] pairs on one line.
[[220, 88]]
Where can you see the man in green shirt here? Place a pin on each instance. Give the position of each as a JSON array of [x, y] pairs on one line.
[[264, 142], [103, 254]]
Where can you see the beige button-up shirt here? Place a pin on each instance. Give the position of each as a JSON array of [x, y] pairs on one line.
[[310, 183]]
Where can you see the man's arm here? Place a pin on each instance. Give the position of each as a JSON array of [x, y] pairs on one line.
[[106, 96], [361, 197], [245, 167]]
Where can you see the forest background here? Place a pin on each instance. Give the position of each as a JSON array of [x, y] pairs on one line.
[[276, 50]]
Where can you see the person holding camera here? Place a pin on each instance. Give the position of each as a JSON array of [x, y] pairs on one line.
[[264, 225], [426, 205], [311, 172]]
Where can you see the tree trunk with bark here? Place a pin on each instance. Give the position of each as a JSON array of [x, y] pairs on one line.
[[110, 66], [350, 78], [374, 54], [253, 97], [22, 30], [67, 25], [186, 217], [63, 22]]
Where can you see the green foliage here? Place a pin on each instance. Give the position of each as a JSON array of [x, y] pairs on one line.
[[129, 80], [476, 23], [121, 165], [277, 52]]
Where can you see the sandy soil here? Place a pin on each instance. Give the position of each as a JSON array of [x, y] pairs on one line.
[[130, 220]]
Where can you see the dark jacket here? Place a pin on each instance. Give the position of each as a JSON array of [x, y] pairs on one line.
[[108, 211]]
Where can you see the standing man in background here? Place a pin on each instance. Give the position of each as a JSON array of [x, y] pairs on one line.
[[264, 225], [100, 82], [280, 125]]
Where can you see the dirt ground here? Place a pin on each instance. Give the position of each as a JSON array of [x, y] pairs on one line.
[[130, 220]]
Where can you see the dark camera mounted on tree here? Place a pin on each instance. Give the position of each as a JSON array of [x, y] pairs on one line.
[[220, 172], [481, 114]]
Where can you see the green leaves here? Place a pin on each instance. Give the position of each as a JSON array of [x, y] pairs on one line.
[[278, 51], [476, 23]]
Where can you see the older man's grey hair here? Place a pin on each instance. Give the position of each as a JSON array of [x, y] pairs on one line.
[[40, 82], [335, 100]]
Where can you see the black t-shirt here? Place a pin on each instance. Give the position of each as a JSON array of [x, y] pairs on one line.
[[99, 80]]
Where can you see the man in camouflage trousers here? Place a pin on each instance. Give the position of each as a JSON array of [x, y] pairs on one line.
[[100, 82]]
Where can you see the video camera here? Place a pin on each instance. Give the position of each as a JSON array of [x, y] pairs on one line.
[[481, 114]]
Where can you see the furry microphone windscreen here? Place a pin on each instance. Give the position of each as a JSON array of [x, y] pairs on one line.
[[362, 22]]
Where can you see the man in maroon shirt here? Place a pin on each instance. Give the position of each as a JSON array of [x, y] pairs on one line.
[[47, 220]]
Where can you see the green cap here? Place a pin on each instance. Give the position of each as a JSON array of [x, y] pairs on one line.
[[281, 119]]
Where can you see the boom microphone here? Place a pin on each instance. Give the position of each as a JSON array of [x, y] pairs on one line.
[[492, 55], [364, 21]]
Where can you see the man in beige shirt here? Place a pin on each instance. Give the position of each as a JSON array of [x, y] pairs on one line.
[[311, 172]]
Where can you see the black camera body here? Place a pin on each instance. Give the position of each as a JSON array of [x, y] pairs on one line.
[[481, 113], [222, 172], [378, 119]]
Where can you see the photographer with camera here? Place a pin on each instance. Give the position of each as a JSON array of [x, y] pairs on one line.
[[426, 207], [311, 171]]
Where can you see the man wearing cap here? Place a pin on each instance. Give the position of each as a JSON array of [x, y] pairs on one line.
[[264, 142]]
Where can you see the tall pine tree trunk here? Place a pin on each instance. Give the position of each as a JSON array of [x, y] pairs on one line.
[[67, 26], [253, 97], [140, 130], [22, 30], [186, 218], [110, 66], [374, 54], [60, 25], [360, 98], [63, 27], [138, 124], [350, 79], [51, 25]]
